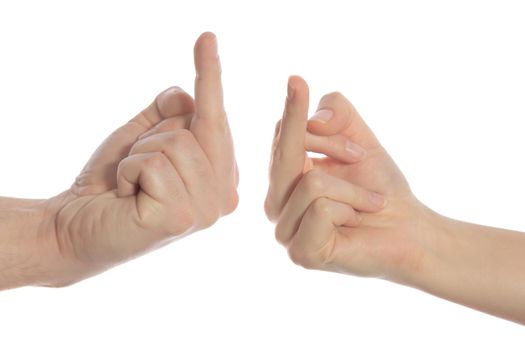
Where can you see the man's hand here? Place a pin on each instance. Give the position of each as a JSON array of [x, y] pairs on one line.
[[351, 211], [168, 172]]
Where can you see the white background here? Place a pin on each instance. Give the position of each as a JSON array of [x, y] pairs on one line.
[[442, 84]]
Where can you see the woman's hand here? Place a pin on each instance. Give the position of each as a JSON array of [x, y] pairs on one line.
[[351, 211]]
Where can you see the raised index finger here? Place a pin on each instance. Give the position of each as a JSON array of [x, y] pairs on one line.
[[288, 159]]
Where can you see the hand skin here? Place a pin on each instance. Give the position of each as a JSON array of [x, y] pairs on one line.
[[168, 172], [325, 215]]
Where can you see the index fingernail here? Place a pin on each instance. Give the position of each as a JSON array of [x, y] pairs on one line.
[[322, 116], [215, 44]]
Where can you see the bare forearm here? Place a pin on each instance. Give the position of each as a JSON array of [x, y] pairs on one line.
[[22, 223], [477, 266]]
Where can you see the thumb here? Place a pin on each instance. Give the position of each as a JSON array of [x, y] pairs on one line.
[[170, 103], [336, 115]]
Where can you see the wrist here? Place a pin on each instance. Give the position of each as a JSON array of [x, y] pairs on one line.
[[433, 241], [426, 238], [24, 241], [29, 251]]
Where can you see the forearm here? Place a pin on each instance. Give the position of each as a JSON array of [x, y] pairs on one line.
[[23, 227], [477, 266]]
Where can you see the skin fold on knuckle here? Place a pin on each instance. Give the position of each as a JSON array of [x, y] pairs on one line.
[[231, 202], [276, 136], [274, 201], [155, 162], [338, 144], [353, 218], [269, 209], [313, 183], [304, 257], [122, 170], [136, 147], [171, 124], [321, 208], [167, 125], [357, 196], [331, 98], [175, 103], [280, 234], [179, 139], [277, 128]]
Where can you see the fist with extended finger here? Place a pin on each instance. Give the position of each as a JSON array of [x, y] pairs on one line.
[[175, 181], [351, 211], [169, 171]]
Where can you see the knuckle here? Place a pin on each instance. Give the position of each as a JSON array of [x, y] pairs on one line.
[[333, 96], [156, 161], [336, 143], [168, 125], [231, 202], [321, 207], [171, 100], [180, 138], [303, 257], [313, 182], [269, 209], [135, 148], [183, 133], [280, 234], [121, 166], [353, 218], [278, 126], [356, 195]]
